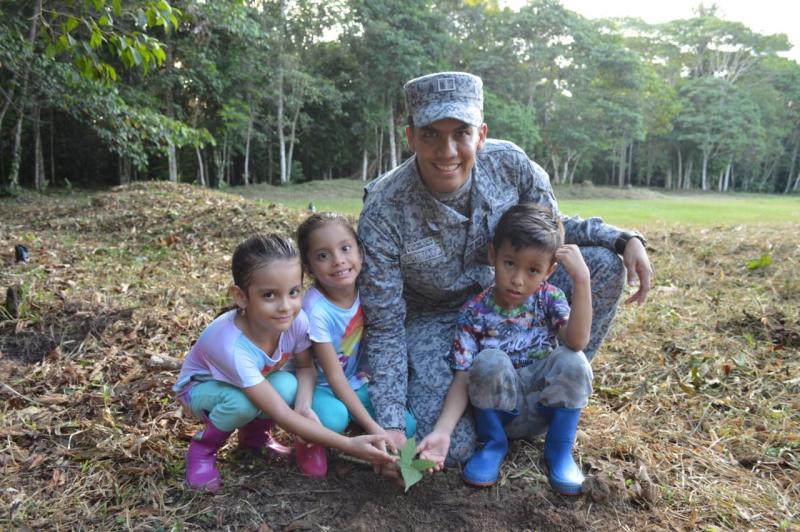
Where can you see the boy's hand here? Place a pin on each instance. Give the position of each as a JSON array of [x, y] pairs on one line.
[[434, 447], [570, 258]]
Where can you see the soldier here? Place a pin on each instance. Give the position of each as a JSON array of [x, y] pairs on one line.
[[426, 226]]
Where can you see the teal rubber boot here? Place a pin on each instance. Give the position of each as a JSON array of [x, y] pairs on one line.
[[483, 467], [564, 474]]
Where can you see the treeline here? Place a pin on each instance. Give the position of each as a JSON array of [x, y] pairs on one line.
[[101, 92]]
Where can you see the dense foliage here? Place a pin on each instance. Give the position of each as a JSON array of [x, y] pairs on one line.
[[100, 92]]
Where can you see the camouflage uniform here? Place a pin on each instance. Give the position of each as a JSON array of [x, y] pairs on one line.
[[423, 260]]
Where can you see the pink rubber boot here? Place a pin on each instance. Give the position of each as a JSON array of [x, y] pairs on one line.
[[201, 459], [311, 460], [256, 435]]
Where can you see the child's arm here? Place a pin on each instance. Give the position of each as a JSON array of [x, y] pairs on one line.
[[266, 399], [326, 356], [306, 375], [575, 334], [435, 445]]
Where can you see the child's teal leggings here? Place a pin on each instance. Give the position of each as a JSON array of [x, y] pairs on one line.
[[334, 414], [228, 407]]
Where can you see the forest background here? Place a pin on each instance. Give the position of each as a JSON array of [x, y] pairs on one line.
[[230, 92]]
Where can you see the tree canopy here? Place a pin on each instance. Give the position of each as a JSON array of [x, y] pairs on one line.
[[102, 92]]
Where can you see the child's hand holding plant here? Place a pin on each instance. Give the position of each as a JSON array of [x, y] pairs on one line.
[[411, 467]]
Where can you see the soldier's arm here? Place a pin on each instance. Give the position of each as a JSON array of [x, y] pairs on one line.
[[534, 185], [381, 291]]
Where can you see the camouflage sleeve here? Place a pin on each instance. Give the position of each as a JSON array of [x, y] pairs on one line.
[[534, 185], [465, 347], [381, 291]]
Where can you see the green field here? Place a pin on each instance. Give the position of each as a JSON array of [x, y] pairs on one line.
[[630, 208], [695, 210]]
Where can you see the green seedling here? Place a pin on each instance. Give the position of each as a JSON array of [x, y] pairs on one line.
[[412, 467], [762, 262]]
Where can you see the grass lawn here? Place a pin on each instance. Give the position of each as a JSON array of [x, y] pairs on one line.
[[628, 208], [698, 209]]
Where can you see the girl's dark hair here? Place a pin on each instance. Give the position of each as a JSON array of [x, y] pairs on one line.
[[257, 251], [530, 225], [316, 221]]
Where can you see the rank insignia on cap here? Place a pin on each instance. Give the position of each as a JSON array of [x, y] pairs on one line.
[[446, 84]]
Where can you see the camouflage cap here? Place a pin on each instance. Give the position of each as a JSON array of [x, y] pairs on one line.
[[445, 95]]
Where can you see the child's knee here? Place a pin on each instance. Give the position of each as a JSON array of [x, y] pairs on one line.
[[573, 365], [493, 381], [285, 384], [332, 413], [235, 411]]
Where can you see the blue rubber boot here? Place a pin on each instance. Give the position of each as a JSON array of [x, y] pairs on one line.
[[483, 467], [564, 474]]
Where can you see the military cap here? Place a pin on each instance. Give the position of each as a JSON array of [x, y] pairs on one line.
[[445, 95]]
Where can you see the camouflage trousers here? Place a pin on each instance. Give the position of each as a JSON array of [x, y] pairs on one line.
[[563, 379], [429, 337]]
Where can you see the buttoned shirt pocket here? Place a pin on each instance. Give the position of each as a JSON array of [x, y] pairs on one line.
[[423, 263]]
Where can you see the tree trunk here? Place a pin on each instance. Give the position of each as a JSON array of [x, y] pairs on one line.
[[281, 136], [172, 162], [392, 140], [687, 176], [172, 159], [704, 176], [38, 166], [52, 151], [290, 155], [201, 177], [629, 179], [16, 156], [379, 140], [668, 178], [791, 165], [680, 169], [556, 164], [246, 176], [364, 164], [124, 170]]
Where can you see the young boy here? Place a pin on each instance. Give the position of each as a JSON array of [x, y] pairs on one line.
[[517, 353]]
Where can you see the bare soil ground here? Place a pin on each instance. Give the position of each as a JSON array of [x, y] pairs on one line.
[[694, 423]]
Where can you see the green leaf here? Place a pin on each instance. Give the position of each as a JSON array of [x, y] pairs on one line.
[[159, 54], [408, 451], [117, 7], [410, 475], [71, 24], [96, 39], [762, 262], [421, 464], [104, 21]]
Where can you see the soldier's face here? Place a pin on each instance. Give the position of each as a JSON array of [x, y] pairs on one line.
[[446, 152]]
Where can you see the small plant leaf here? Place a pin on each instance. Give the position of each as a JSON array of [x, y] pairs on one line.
[[408, 451], [410, 475], [762, 262], [421, 464]]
